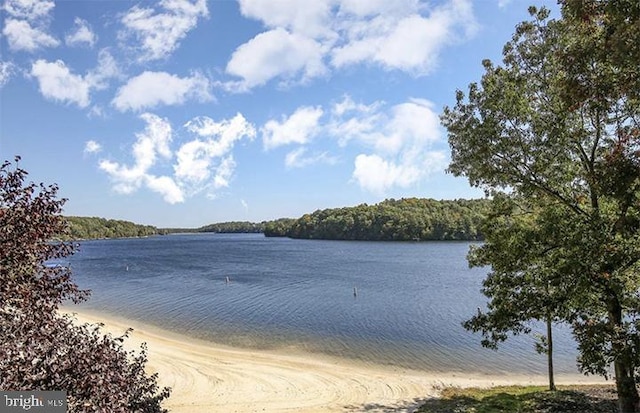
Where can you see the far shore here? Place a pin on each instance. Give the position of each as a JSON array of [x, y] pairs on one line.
[[210, 378]]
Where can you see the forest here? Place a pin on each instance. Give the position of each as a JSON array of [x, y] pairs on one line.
[[407, 219], [96, 228], [233, 227]]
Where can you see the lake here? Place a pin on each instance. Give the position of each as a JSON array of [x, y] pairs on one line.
[[251, 291]]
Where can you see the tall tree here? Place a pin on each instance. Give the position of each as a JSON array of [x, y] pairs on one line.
[[39, 348], [557, 127]]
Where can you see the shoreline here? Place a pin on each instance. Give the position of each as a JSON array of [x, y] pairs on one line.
[[209, 377]]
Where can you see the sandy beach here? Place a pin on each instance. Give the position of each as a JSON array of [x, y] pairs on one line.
[[207, 377]]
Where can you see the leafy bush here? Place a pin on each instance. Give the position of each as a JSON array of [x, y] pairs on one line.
[[41, 349]]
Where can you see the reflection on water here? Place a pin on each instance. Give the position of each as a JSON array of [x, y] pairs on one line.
[[249, 290]]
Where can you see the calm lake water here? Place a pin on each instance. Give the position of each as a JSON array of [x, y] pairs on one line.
[[411, 297]]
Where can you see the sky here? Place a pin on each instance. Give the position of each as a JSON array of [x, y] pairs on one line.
[[182, 113]]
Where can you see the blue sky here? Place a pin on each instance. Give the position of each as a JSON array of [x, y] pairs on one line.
[[189, 112]]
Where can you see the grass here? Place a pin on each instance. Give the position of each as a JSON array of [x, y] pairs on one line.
[[523, 399]]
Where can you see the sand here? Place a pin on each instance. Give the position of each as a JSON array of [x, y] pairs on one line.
[[207, 377]]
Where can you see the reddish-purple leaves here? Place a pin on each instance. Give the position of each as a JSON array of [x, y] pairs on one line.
[[39, 348]]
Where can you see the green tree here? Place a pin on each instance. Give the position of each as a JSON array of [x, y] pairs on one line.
[[39, 348], [557, 128], [526, 280]]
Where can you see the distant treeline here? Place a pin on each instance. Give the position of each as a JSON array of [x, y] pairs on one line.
[[233, 227], [409, 219], [95, 228]]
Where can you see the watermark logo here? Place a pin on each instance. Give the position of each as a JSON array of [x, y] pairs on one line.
[[33, 401]]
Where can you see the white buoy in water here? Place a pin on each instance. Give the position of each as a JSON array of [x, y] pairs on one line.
[[227, 280]]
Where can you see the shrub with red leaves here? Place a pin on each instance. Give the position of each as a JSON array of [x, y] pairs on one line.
[[41, 349]]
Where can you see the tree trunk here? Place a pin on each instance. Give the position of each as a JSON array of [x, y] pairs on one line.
[[552, 384], [625, 376], [626, 387]]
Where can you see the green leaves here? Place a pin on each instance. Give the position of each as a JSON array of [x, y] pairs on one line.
[[554, 135]]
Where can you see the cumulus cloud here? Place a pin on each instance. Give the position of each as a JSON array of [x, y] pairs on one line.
[[310, 18], [82, 34], [26, 25], [299, 128], [167, 187], [305, 39], [276, 53], [21, 35], [92, 146], [58, 83], [400, 138], [151, 89], [208, 159], [150, 144], [157, 32], [377, 175], [410, 43], [397, 145], [203, 163]]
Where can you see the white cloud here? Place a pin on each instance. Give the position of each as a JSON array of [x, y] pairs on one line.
[[310, 18], [401, 139], [357, 121], [224, 172], [193, 161], [203, 163], [377, 175], [207, 160], [410, 124], [397, 144], [410, 43], [58, 83], [158, 33], [6, 71], [92, 146], [25, 28], [298, 158], [413, 124], [106, 69], [21, 35], [29, 9], [405, 35], [402, 145], [362, 9], [151, 89], [348, 105], [150, 145], [165, 186], [82, 34], [276, 53], [299, 128]]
